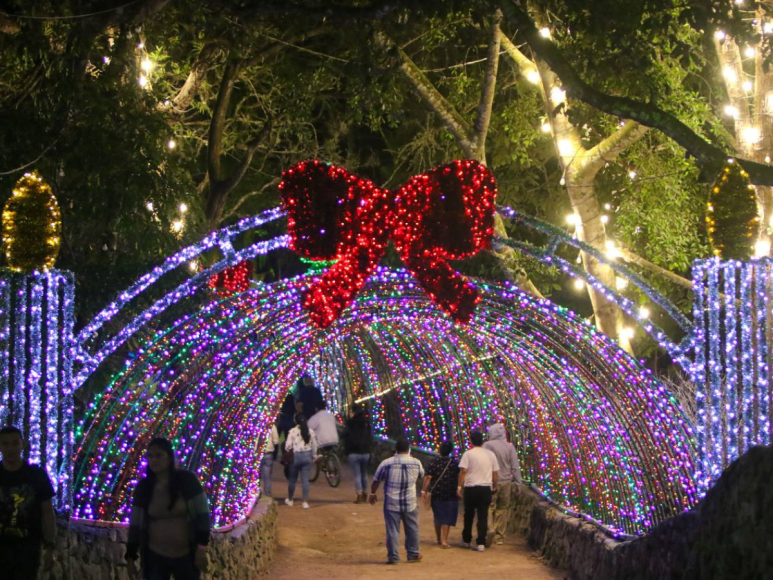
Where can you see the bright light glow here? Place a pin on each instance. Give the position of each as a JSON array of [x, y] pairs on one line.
[[751, 135], [767, 158], [566, 147], [106, 59], [171, 144], [769, 101], [544, 32], [762, 249], [177, 226], [141, 45], [183, 207], [573, 219], [644, 312], [143, 80], [149, 205], [611, 250], [578, 284], [193, 266], [747, 86], [731, 111], [738, 2], [532, 76], [546, 127], [627, 332], [604, 219], [632, 174], [729, 74], [607, 206], [767, 28], [147, 65], [720, 35], [557, 95], [749, 52], [621, 283]]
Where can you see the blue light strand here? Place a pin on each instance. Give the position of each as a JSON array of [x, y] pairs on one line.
[[5, 334], [698, 373], [53, 342], [731, 358], [19, 353], [761, 280], [747, 363], [715, 369], [36, 283]]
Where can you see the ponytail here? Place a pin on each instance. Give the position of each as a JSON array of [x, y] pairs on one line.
[[300, 420]]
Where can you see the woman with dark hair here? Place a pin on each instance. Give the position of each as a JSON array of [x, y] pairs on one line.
[[442, 474], [357, 443], [302, 443], [169, 523]]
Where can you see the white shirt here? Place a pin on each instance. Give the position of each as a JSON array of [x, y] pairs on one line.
[[296, 443], [480, 464], [323, 423], [273, 440]]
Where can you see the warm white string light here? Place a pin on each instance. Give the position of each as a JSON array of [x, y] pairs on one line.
[[546, 127], [544, 32], [533, 76], [731, 111], [729, 74], [557, 95]]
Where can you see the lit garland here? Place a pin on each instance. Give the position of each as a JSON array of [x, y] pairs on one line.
[[731, 371], [36, 368], [32, 225], [595, 431], [731, 216], [233, 279], [444, 214]]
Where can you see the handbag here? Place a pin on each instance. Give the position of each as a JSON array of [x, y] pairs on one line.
[[288, 455], [428, 501]]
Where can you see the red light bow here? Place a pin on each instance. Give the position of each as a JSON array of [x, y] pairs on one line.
[[444, 214]]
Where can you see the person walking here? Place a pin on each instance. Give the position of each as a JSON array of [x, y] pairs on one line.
[[357, 443], [399, 474], [308, 398], [507, 482], [26, 512], [477, 480], [169, 524], [440, 490], [325, 427], [269, 456], [302, 443]]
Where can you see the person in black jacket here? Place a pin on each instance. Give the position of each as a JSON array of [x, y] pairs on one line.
[[357, 443], [169, 524]]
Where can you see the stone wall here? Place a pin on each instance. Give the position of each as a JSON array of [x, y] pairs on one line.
[[96, 552], [728, 535]]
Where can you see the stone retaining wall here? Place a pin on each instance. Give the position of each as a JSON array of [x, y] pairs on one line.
[[94, 552]]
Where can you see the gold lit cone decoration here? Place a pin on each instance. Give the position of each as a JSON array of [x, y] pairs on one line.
[[32, 225], [731, 214]]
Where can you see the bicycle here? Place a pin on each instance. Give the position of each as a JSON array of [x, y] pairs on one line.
[[330, 465]]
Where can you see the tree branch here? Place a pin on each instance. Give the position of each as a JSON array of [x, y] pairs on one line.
[[206, 59], [612, 146], [488, 88], [217, 125], [248, 196], [710, 157], [524, 63]]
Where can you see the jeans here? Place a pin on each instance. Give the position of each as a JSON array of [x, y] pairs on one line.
[[411, 524], [20, 561], [160, 567], [477, 498], [301, 464], [266, 472], [360, 463]]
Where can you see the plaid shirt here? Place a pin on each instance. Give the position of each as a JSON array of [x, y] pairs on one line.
[[399, 474]]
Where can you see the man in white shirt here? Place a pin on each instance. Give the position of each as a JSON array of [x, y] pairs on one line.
[[325, 427], [478, 476]]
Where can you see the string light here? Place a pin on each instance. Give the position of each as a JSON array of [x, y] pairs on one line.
[[533, 76], [579, 284], [544, 32], [632, 174], [149, 205], [644, 312], [749, 52], [751, 135], [177, 226], [546, 128], [628, 333], [183, 207], [767, 28], [747, 86], [762, 249], [143, 81], [146, 65], [720, 35], [611, 250], [731, 111], [729, 74], [171, 144], [573, 219], [566, 147], [621, 283], [557, 95], [604, 219], [731, 214]]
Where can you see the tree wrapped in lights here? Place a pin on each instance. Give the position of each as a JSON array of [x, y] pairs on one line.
[[234, 279], [32, 225], [731, 216]]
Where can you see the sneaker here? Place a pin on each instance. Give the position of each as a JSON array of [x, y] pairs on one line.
[[413, 559], [481, 548], [289, 502], [305, 505], [465, 545], [392, 562]]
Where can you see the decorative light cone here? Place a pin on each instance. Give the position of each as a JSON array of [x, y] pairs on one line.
[[32, 225]]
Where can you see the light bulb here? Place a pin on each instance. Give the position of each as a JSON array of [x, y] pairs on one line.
[[177, 226], [747, 86], [106, 59], [579, 284], [193, 265], [762, 249], [749, 52], [632, 174], [607, 206], [545, 127], [565, 147], [573, 219], [729, 74], [627, 332], [544, 32], [767, 158], [720, 35], [149, 205], [183, 207], [532, 76], [146, 65], [731, 111], [557, 95], [143, 81], [141, 45], [767, 28], [171, 144], [644, 312], [751, 135], [604, 219], [611, 250]]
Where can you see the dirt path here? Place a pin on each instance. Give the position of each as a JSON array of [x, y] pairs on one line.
[[338, 539]]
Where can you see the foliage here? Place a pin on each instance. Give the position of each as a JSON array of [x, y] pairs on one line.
[[731, 214]]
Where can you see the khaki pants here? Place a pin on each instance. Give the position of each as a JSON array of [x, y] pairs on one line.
[[501, 509]]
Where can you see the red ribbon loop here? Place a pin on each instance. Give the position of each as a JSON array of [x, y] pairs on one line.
[[444, 214]]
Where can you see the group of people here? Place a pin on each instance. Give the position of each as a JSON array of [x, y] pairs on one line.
[[169, 525], [485, 479]]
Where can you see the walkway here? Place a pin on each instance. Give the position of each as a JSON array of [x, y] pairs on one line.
[[338, 539]]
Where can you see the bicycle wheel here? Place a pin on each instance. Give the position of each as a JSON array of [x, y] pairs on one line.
[[314, 472], [333, 472]]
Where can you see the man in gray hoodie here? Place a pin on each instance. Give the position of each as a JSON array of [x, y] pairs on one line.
[[509, 474]]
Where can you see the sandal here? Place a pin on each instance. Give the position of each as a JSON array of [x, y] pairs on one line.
[[445, 546]]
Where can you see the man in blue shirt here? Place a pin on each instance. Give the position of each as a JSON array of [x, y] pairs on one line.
[[400, 474]]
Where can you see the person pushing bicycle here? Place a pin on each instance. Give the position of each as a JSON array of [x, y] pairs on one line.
[[325, 427]]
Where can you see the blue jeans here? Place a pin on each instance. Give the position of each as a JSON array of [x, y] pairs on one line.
[[359, 462], [160, 567], [266, 472], [411, 524], [301, 464]]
